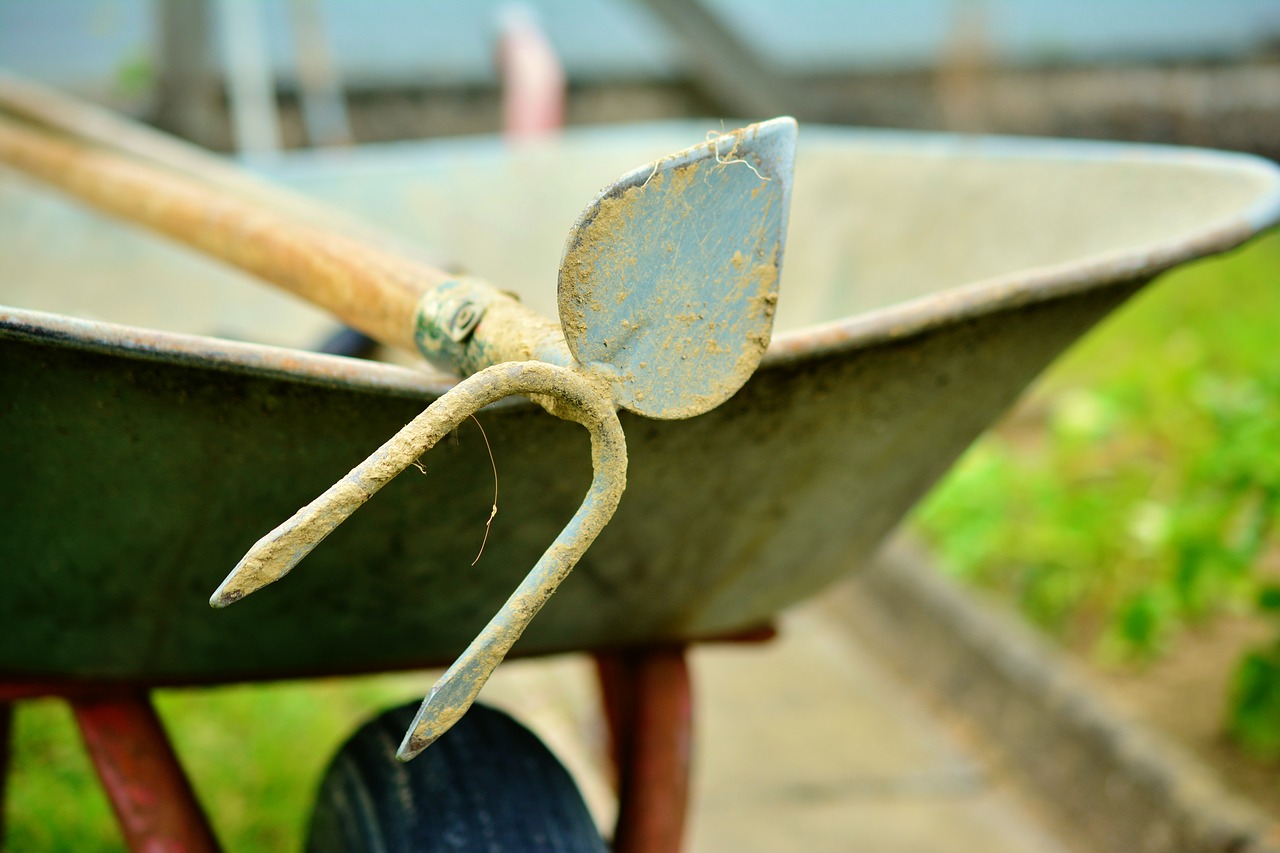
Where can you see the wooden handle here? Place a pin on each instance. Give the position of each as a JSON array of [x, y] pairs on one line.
[[369, 289]]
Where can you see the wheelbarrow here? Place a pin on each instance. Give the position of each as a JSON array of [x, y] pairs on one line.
[[928, 280]]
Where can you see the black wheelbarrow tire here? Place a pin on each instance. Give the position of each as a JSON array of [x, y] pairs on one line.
[[487, 785]]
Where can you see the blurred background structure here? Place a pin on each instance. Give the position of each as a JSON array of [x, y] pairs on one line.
[[1129, 508], [1202, 73]]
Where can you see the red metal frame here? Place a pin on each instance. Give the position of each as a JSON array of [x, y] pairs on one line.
[[153, 800], [649, 705], [646, 697]]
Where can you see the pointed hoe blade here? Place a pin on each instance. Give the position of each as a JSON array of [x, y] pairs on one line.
[[669, 279]]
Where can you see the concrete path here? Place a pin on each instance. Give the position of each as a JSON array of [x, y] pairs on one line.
[[805, 743]]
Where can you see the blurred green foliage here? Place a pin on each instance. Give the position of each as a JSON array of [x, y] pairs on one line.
[[1255, 696], [134, 76], [1136, 490]]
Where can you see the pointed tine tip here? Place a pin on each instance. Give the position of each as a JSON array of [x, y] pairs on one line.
[[446, 704], [267, 561], [241, 581], [223, 597], [417, 737], [413, 744]]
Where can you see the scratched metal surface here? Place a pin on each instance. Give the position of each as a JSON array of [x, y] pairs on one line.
[[669, 280], [942, 274]]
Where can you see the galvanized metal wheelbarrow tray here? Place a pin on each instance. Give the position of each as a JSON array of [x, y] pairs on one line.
[[928, 280]]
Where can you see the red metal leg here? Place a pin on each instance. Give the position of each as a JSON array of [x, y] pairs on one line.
[[151, 796], [649, 705]]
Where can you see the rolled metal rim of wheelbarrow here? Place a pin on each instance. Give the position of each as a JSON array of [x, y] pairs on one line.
[[1040, 284], [895, 322]]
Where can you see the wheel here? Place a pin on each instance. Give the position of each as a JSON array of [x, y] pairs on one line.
[[487, 785]]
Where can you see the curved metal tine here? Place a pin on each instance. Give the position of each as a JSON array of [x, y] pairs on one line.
[[274, 555], [454, 692]]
